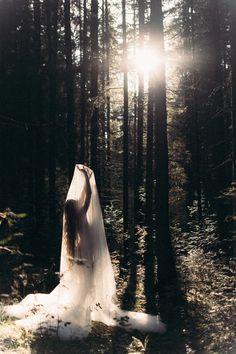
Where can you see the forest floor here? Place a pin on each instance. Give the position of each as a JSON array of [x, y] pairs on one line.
[[199, 311]]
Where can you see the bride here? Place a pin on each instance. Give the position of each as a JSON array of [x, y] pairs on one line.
[[86, 291]]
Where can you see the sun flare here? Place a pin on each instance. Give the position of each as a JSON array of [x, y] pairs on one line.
[[146, 61]]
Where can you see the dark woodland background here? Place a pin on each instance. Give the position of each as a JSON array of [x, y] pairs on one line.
[[163, 150]]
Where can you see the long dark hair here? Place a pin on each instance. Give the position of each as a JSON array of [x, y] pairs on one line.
[[74, 211], [70, 226]]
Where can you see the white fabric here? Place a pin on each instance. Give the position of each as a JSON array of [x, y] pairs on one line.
[[86, 291]]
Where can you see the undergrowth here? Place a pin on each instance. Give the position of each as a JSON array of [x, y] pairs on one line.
[[202, 316]]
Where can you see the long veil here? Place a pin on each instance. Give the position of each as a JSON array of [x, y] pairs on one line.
[[86, 291]]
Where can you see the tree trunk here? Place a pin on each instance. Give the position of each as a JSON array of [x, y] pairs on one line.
[[195, 123], [71, 132], [139, 160], [102, 111], [164, 248], [149, 242], [216, 137], [83, 90], [3, 137], [94, 90], [125, 123], [233, 93], [52, 17], [38, 113], [27, 113], [108, 104]]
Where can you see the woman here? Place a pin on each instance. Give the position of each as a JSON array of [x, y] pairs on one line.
[[86, 291]]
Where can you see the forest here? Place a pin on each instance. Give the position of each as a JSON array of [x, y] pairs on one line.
[[144, 93]]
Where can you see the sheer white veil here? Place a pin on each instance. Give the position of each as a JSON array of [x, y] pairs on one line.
[[86, 291]]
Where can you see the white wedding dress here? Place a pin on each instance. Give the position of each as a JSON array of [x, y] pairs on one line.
[[86, 291]]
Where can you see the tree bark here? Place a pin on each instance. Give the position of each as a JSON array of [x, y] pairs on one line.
[[195, 122], [163, 247], [94, 90], [216, 134], [108, 103], [52, 39], [139, 160], [38, 113], [233, 92], [149, 242], [83, 90], [125, 122], [3, 138], [71, 131]]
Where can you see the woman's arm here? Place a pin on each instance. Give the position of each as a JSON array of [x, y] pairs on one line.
[[84, 201]]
